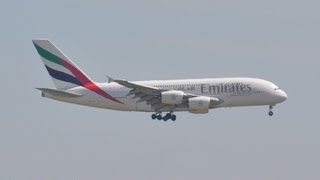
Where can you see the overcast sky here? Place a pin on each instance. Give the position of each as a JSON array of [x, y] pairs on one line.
[[278, 40]]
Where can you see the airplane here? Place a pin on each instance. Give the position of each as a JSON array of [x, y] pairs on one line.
[[196, 96]]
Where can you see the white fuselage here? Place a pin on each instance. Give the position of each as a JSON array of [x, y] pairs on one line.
[[234, 92]]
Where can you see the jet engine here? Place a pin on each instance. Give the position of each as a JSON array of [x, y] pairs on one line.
[[199, 105], [172, 97]]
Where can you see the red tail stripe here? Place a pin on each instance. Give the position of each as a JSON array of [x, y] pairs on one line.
[[86, 82]]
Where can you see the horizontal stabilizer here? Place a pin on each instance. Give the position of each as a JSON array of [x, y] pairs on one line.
[[53, 92]]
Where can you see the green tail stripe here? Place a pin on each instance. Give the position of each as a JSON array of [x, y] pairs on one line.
[[47, 55]]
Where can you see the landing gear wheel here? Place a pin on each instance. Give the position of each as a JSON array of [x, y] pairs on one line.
[[159, 117], [167, 117], [270, 113], [154, 116], [173, 117]]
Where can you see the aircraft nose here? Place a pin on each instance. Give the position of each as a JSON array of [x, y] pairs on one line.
[[283, 95]]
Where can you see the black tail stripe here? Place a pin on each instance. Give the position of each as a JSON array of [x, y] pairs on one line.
[[63, 76]]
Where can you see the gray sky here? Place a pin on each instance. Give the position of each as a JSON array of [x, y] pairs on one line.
[[277, 40]]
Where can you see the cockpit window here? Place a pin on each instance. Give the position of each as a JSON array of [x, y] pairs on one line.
[[277, 88]]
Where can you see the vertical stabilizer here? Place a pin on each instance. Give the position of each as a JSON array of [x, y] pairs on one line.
[[64, 73]]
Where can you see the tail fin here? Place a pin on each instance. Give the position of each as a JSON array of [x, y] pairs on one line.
[[64, 73]]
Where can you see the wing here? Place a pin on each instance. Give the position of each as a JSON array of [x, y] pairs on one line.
[[152, 96], [149, 94]]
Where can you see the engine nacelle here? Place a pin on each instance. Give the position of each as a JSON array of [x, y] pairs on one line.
[[199, 105], [172, 97]]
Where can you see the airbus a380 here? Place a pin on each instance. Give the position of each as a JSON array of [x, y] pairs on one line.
[[194, 95]]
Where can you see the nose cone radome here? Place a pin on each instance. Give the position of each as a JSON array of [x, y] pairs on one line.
[[282, 95]]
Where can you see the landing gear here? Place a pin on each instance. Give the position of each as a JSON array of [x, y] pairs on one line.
[[173, 117], [270, 111], [154, 116], [159, 117], [168, 116]]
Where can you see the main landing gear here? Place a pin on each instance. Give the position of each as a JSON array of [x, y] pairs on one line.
[[168, 116], [270, 110]]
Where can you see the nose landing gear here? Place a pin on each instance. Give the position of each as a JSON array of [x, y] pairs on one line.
[[158, 115], [270, 110]]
